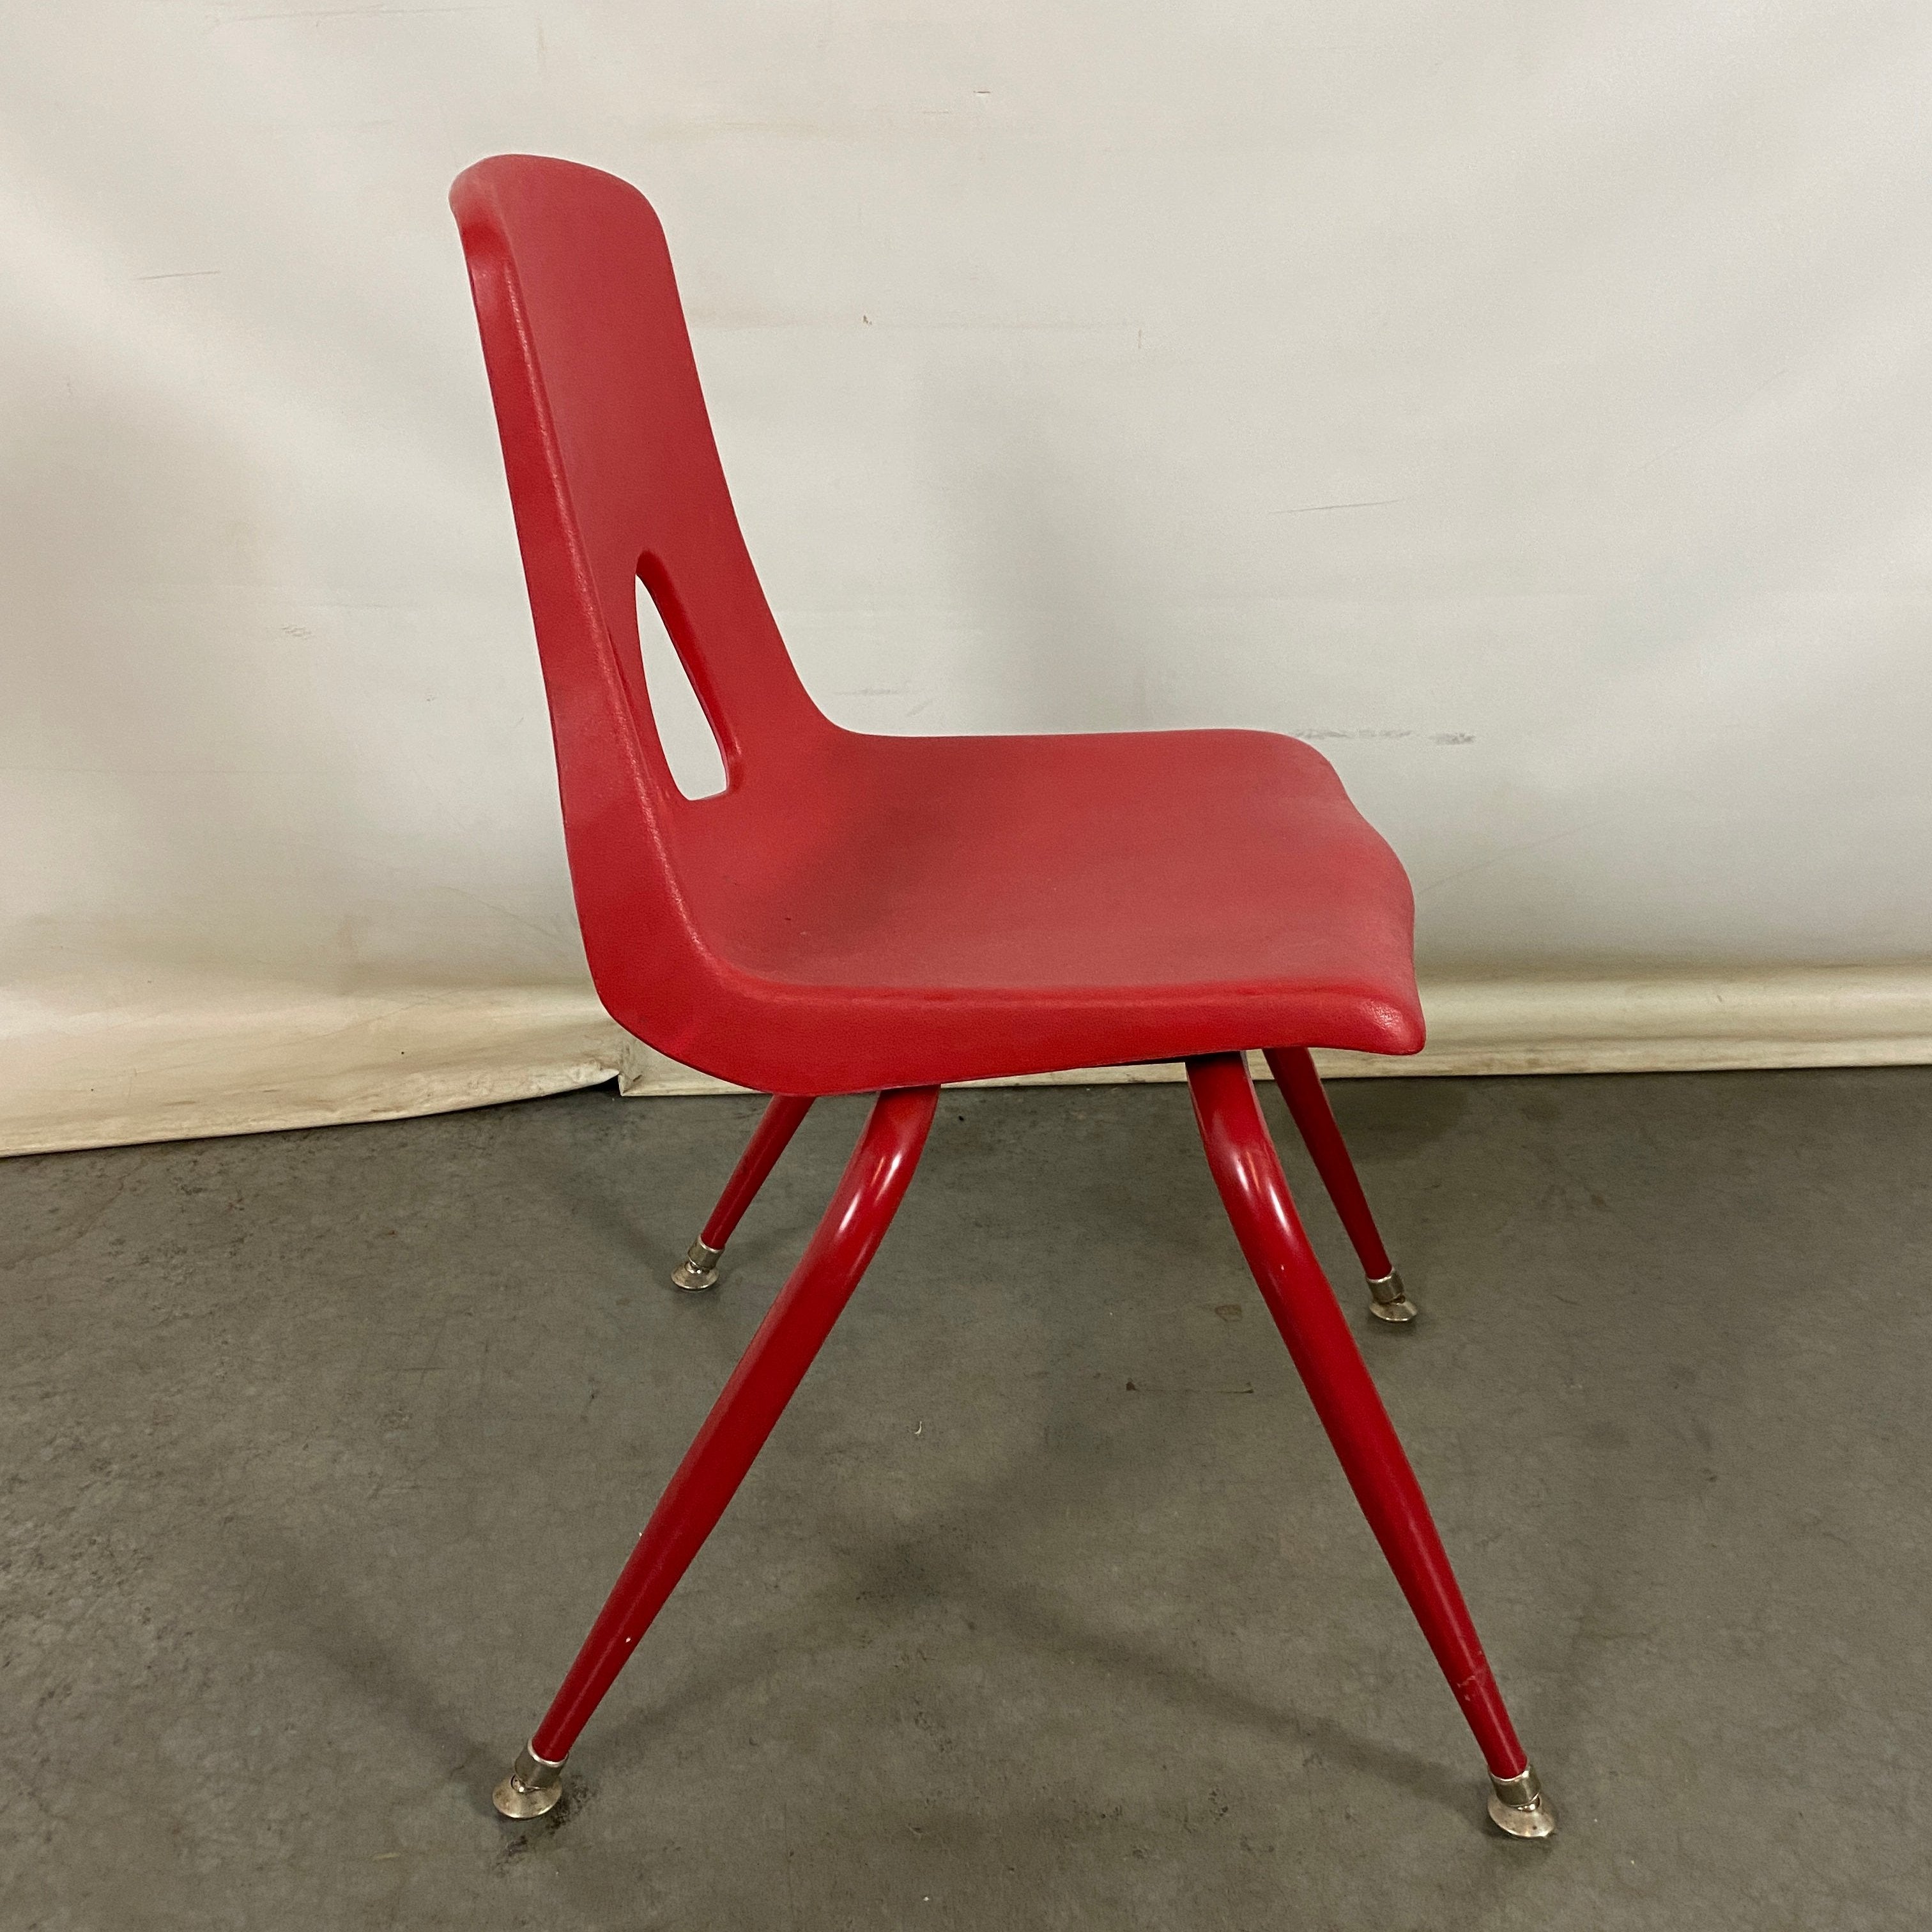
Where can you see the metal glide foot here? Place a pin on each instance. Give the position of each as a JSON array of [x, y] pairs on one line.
[[698, 1269], [1387, 1301], [1518, 1806], [533, 1786]]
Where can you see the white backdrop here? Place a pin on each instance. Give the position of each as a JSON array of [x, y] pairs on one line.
[[1532, 406]]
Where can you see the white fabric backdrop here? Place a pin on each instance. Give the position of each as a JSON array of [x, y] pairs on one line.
[[1530, 406]]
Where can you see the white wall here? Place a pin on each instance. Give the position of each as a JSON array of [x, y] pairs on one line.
[[1532, 407]]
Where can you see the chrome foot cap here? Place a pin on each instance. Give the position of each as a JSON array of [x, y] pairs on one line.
[[1518, 1806], [533, 1786], [698, 1269], [1387, 1301]]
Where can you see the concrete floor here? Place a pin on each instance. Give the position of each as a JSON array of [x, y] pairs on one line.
[[1047, 1606]]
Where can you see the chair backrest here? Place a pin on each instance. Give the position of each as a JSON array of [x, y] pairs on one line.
[[614, 476]]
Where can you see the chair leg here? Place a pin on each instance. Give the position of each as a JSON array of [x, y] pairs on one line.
[[1294, 1070], [1247, 1171], [791, 1334], [773, 1135]]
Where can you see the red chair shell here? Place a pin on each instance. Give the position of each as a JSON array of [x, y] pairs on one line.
[[854, 911]]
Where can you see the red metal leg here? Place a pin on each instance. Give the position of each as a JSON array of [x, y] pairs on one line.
[[791, 1334], [1294, 1070], [1248, 1172], [773, 1135]]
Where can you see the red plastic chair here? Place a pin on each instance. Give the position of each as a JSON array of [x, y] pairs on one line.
[[857, 914]]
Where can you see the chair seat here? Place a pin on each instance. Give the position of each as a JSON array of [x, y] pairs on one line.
[[959, 908]]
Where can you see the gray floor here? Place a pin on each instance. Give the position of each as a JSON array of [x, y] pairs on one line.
[[1047, 1606]]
